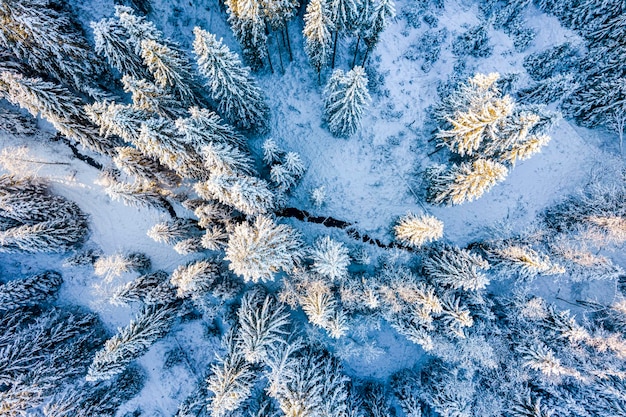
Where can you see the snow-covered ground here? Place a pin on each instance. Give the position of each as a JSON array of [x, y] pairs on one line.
[[371, 178]]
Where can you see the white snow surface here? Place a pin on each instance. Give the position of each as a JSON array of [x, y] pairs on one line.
[[371, 179]]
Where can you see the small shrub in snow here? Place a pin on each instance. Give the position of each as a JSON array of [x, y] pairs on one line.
[[474, 42]]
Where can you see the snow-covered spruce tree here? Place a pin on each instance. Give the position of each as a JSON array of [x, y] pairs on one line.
[[231, 84], [250, 195], [317, 34], [43, 353], [204, 127], [112, 41], [330, 258], [383, 13], [117, 264], [461, 183], [58, 106], [470, 127], [278, 13], [173, 231], [521, 260], [314, 386], [259, 250], [195, 279], [117, 119], [415, 231], [151, 324], [362, 24], [263, 324], [48, 40], [343, 15], [227, 159], [137, 28], [457, 268], [160, 139], [151, 288], [135, 194], [29, 291], [32, 220], [272, 153], [247, 21], [345, 99], [170, 68], [151, 98], [133, 162], [231, 380]]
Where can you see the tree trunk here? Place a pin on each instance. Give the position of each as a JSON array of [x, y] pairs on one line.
[[280, 56], [288, 41], [332, 64], [269, 57], [356, 49], [367, 51]]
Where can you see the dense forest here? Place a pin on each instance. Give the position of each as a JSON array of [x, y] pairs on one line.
[[326, 208]]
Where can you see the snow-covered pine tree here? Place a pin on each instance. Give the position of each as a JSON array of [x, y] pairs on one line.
[[330, 258], [113, 43], [231, 380], [246, 19], [271, 152], [204, 127], [29, 291], [521, 260], [383, 13], [215, 238], [137, 28], [293, 163], [223, 158], [314, 386], [472, 126], [135, 195], [195, 279], [263, 325], [57, 105], [160, 139], [457, 268], [231, 84], [117, 119], [173, 231], [250, 195], [151, 98], [117, 264], [152, 323], [318, 303], [317, 34], [415, 231], [461, 183], [345, 99], [362, 25], [278, 13], [133, 162], [526, 407], [151, 288], [170, 68], [258, 251], [33, 221], [343, 15], [455, 316], [48, 40], [281, 176]]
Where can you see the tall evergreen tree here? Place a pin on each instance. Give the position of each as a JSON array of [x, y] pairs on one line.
[[151, 324], [317, 33], [250, 195], [239, 98], [248, 25], [345, 98], [384, 11], [47, 39], [57, 105], [117, 119], [343, 15], [204, 127], [151, 98], [170, 69], [257, 251], [112, 41]]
